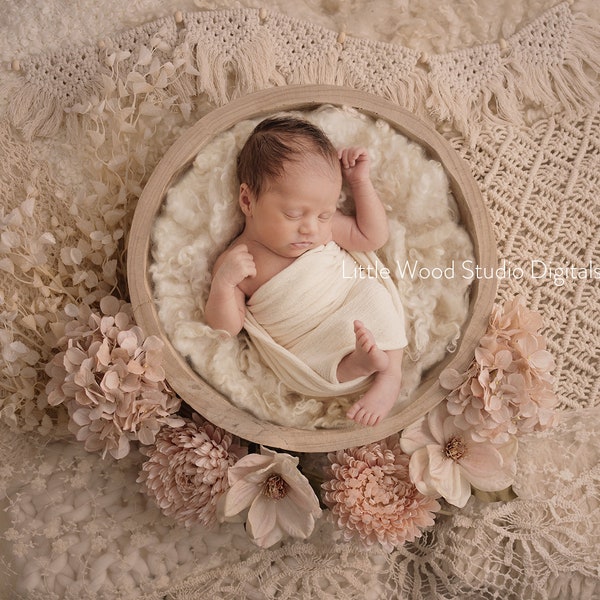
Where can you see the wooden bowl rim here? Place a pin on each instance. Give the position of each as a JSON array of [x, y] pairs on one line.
[[190, 386]]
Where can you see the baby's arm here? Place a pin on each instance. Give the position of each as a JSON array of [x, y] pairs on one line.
[[226, 304], [368, 230]]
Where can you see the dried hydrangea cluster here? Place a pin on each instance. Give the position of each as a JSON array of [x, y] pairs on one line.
[[60, 240], [372, 498], [470, 439], [186, 470], [508, 388], [111, 380]]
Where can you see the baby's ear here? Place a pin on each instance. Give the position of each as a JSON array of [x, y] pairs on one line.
[[246, 199]]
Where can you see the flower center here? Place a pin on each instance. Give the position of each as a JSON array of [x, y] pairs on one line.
[[275, 487], [455, 448]]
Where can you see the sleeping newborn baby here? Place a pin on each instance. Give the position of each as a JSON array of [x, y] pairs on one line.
[[302, 278]]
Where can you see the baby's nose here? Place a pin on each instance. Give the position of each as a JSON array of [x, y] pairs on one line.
[[308, 225]]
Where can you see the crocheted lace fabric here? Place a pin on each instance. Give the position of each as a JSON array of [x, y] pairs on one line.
[[84, 128]]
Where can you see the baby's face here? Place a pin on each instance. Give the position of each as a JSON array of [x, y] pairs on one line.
[[294, 213]]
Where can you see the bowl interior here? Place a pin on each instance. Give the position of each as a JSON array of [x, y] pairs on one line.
[[198, 393]]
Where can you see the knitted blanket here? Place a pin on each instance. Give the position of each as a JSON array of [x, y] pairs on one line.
[[523, 112]]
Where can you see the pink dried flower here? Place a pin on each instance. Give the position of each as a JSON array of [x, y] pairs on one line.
[[372, 497], [507, 389], [186, 470], [111, 380], [514, 317]]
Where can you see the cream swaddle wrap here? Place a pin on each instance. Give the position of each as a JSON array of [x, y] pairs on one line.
[[302, 320]]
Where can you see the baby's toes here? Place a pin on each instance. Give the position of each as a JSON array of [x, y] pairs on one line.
[[357, 413], [353, 410], [368, 419], [364, 338]]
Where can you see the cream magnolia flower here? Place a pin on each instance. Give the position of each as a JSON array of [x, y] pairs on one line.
[[446, 460], [278, 497]]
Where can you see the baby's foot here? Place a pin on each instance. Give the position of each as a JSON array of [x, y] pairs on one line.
[[365, 359], [382, 395], [368, 356], [377, 402]]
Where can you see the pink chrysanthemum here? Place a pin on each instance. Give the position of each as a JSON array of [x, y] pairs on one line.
[[186, 470], [110, 378], [372, 498]]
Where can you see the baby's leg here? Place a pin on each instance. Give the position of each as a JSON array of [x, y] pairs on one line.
[[382, 395], [366, 358]]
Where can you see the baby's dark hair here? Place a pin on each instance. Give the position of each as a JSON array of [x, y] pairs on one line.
[[278, 140]]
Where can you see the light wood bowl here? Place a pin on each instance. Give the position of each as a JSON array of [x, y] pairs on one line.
[[189, 385]]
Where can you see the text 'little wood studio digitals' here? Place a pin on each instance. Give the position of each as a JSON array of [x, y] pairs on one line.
[[536, 269]]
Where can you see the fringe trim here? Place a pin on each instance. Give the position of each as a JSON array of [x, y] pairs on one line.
[[223, 74], [383, 69], [503, 77], [466, 95], [567, 85], [552, 78], [35, 112], [409, 93], [323, 69]]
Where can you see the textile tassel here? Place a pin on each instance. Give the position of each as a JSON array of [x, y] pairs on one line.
[[227, 74], [499, 101], [469, 86], [560, 78], [35, 112], [387, 70], [183, 88], [576, 80], [407, 90], [417, 89], [318, 69]]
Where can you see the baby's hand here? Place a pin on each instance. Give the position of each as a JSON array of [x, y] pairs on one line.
[[237, 264], [355, 164]]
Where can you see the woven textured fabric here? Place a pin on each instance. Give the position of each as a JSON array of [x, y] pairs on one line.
[[543, 64], [79, 529], [541, 186]]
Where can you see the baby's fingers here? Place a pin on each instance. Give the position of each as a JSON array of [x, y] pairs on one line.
[[350, 156], [356, 154], [245, 263], [249, 267]]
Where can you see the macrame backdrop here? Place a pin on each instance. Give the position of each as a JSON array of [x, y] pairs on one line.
[[83, 129]]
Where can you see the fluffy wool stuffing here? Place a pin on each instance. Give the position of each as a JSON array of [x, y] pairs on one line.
[[201, 216]]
